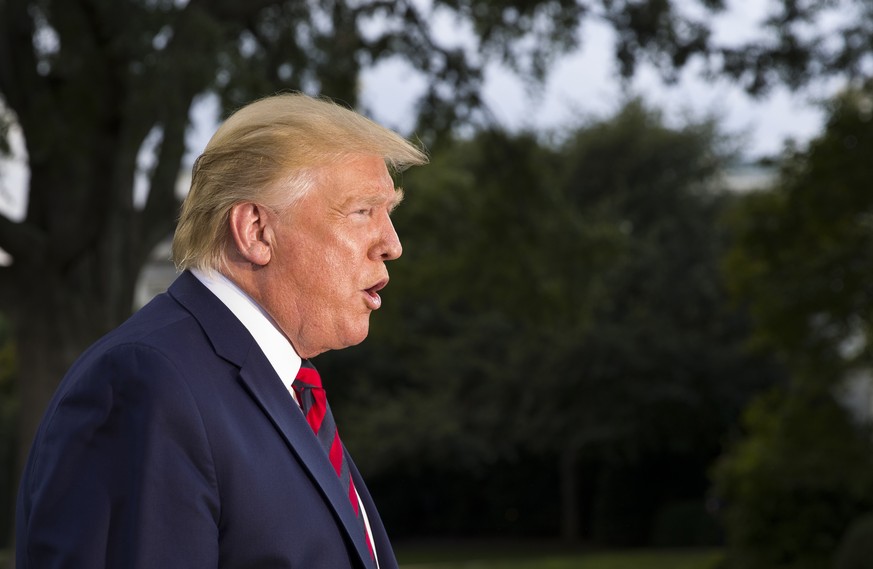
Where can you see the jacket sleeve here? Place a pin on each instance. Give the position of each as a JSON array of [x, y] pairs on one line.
[[120, 474]]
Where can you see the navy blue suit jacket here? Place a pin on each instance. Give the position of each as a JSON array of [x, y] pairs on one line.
[[172, 442]]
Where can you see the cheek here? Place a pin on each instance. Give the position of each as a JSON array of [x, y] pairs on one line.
[[343, 262], [330, 286], [331, 271], [332, 267]]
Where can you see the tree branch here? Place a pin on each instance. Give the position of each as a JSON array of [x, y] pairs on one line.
[[233, 10], [201, 26], [159, 215]]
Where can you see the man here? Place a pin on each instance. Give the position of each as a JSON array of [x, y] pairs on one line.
[[187, 437]]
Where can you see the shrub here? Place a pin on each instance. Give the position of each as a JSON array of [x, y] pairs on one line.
[[793, 485]]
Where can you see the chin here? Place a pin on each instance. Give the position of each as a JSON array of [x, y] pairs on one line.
[[356, 336]]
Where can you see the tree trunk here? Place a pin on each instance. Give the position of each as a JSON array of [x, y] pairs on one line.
[[569, 473], [43, 357], [54, 322]]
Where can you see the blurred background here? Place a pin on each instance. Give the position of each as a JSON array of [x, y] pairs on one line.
[[631, 325]]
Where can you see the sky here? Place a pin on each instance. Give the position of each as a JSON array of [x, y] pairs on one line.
[[581, 84]]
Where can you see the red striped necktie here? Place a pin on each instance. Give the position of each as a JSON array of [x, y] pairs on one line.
[[313, 401]]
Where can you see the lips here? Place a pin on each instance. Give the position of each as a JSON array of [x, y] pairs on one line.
[[374, 301]]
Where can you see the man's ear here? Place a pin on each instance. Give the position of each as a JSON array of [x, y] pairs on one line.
[[252, 232]]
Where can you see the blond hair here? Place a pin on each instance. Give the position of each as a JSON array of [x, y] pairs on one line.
[[267, 152]]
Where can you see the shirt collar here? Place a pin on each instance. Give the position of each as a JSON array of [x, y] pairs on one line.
[[260, 325]]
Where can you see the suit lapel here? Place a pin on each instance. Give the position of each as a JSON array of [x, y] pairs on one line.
[[234, 343], [265, 387]]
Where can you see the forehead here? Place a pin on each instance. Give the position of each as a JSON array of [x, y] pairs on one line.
[[357, 177]]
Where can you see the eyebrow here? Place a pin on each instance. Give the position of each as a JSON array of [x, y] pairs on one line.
[[376, 200], [398, 197]]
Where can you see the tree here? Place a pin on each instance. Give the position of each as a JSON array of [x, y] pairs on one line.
[[801, 262], [497, 266], [560, 305], [661, 367], [795, 482], [803, 255]]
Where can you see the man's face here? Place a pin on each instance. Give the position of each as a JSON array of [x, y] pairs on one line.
[[328, 261]]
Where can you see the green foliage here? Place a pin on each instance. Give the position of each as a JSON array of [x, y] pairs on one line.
[[802, 473], [856, 546], [591, 268], [555, 299], [494, 266], [662, 363], [802, 261], [800, 43], [803, 254]]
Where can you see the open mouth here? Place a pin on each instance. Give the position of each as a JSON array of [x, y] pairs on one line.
[[373, 298]]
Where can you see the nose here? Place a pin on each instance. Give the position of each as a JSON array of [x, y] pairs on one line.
[[389, 247]]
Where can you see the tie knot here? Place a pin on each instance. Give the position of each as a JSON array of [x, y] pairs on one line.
[[307, 377]]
